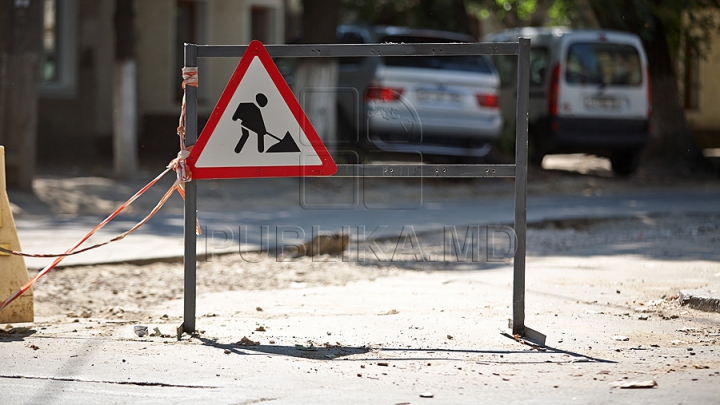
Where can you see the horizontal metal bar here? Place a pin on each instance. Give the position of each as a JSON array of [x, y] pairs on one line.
[[358, 50], [413, 170]]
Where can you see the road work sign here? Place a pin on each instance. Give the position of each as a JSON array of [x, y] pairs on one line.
[[258, 129]]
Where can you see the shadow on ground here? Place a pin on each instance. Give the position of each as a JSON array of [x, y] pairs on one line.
[[332, 352]]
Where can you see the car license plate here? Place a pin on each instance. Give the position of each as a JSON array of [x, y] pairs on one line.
[[603, 103], [440, 97]]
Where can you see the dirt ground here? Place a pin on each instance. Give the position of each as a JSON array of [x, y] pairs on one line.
[[129, 292]]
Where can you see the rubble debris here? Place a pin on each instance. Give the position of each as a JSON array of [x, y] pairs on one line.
[[633, 384], [701, 300], [247, 342], [140, 330], [324, 244]]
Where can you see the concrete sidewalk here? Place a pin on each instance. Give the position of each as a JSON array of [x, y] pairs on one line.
[[417, 338]]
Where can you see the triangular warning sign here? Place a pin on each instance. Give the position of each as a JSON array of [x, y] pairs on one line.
[[258, 129]]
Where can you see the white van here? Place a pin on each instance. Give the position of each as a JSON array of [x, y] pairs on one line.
[[589, 93]]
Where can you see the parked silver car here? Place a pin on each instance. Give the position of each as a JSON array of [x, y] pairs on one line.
[[444, 105]]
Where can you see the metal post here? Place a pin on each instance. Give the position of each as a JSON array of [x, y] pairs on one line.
[[190, 199], [521, 161]]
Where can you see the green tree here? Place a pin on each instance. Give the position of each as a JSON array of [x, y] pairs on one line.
[[449, 15]]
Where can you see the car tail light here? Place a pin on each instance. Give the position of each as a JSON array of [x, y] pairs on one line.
[[377, 93], [487, 100], [554, 91]]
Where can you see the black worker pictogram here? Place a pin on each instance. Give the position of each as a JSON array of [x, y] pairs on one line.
[[251, 119]]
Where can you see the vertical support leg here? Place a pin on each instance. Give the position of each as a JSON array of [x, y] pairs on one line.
[[521, 161], [190, 242]]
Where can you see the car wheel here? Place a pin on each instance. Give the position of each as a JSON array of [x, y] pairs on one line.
[[625, 163]]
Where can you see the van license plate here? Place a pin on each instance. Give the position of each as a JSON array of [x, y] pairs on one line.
[[441, 97], [603, 103]]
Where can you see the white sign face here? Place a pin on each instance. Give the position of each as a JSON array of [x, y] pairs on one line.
[[258, 129], [245, 116]]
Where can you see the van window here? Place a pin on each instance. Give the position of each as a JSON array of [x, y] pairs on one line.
[[464, 63], [539, 58], [603, 64], [506, 66]]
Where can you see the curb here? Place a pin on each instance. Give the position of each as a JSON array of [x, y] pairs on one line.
[[700, 299]]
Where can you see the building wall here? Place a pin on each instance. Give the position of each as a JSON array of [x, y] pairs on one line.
[[155, 39], [76, 120], [225, 22], [221, 22], [705, 120]]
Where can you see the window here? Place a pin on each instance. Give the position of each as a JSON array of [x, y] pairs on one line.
[[603, 64], [506, 66], [50, 42], [58, 66], [538, 65]]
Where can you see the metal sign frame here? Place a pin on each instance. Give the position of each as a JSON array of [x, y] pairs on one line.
[[518, 171]]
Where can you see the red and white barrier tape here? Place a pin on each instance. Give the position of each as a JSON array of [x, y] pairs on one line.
[[183, 175], [177, 185]]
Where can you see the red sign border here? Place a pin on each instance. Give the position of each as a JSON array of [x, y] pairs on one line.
[[327, 166]]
